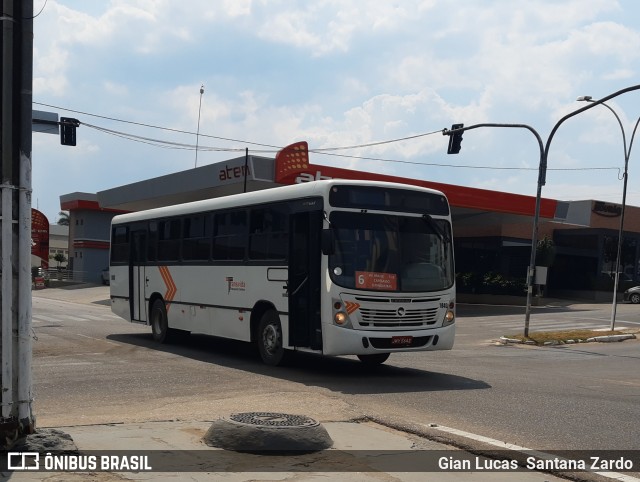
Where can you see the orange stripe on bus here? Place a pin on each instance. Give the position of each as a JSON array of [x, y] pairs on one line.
[[351, 306], [170, 284]]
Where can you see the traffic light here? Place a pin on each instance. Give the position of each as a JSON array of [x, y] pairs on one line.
[[68, 131], [455, 139]]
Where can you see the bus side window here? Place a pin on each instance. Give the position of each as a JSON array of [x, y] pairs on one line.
[[269, 238], [152, 242], [229, 235], [196, 238], [120, 244], [169, 240]]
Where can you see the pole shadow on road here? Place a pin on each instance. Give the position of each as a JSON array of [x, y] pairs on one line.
[[342, 374]]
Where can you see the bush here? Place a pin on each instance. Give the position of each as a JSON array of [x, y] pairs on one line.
[[490, 283]]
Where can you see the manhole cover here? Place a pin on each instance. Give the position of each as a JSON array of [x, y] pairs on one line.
[[270, 419], [268, 432]]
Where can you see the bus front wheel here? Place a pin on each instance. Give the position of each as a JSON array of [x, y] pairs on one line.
[[270, 344], [375, 359], [159, 323]]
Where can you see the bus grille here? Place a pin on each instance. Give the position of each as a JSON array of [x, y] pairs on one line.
[[386, 318]]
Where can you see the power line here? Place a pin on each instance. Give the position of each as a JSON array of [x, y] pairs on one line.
[[151, 126], [466, 166], [379, 143], [320, 151], [357, 146], [157, 142], [176, 145]]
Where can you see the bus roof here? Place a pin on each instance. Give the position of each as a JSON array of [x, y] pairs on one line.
[[305, 189]]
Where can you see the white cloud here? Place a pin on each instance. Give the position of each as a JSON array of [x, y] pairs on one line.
[[339, 73]]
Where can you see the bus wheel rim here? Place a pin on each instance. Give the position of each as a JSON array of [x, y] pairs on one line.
[[157, 323], [270, 338]]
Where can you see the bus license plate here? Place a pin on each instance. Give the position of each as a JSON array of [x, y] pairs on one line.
[[401, 340]]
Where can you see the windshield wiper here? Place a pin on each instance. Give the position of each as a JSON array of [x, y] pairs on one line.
[[436, 228]]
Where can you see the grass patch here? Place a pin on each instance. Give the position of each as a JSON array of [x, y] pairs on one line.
[[541, 337]]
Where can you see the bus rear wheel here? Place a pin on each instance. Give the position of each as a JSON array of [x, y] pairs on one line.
[[159, 322], [375, 359], [270, 344]]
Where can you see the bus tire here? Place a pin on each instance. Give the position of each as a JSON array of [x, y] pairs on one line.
[[374, 359], [270, 343], [159, 322]]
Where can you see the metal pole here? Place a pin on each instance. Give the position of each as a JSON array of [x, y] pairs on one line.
[[542, 176], [7, 302], [198, 131], [616, 277], [534, 240], [246, 167], [24, 99], [8, 188], [627, 153]]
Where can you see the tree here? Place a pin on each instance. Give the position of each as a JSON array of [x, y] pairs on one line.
[[64, 218], [545, 252], [59, 257]]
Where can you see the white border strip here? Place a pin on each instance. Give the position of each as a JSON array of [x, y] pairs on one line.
[[519, 448]]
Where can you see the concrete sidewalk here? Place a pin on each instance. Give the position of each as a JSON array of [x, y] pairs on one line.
[[76, 293], [355, 456]]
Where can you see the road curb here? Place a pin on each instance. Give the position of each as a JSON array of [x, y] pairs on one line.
[[610, 338], [597, 339]]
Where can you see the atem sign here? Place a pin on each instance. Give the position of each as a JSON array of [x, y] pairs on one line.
[[606, 209], [234, 172]]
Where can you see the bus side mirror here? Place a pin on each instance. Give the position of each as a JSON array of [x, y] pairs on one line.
[[328, 241]]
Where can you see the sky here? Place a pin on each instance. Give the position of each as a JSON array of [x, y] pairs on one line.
[[339, 73]]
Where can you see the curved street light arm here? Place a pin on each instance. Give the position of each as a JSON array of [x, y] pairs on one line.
[[624, 137], [518, 126], [587, 107], [633, 135]]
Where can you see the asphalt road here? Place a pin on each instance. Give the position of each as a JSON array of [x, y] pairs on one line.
[[91, 367]]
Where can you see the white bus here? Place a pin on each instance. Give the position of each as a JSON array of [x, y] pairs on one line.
[[333, 267]]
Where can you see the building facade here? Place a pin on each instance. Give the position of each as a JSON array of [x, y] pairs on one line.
[[492, 229]]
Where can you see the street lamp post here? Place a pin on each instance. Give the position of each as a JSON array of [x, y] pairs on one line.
[[627, 153], [198, 131], [544, 154]]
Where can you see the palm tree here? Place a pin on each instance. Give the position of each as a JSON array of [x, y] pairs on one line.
[[64, 218]]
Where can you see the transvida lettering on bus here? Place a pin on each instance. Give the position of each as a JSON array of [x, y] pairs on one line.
[[234, 285]]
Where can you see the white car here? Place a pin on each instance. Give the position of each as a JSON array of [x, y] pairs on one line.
[[633, 295]]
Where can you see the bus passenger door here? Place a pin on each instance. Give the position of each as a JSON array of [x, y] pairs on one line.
[[304, 280], [137, 278]]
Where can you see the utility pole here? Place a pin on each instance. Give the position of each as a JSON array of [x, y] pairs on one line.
[[16, 50]]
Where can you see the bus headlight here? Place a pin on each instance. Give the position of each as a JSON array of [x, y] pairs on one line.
[[449, 318], [340, 318]]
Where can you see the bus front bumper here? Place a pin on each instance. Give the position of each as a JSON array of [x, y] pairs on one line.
[[347, 341]]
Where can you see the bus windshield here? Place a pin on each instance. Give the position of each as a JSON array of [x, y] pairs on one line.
[[389, 252]]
